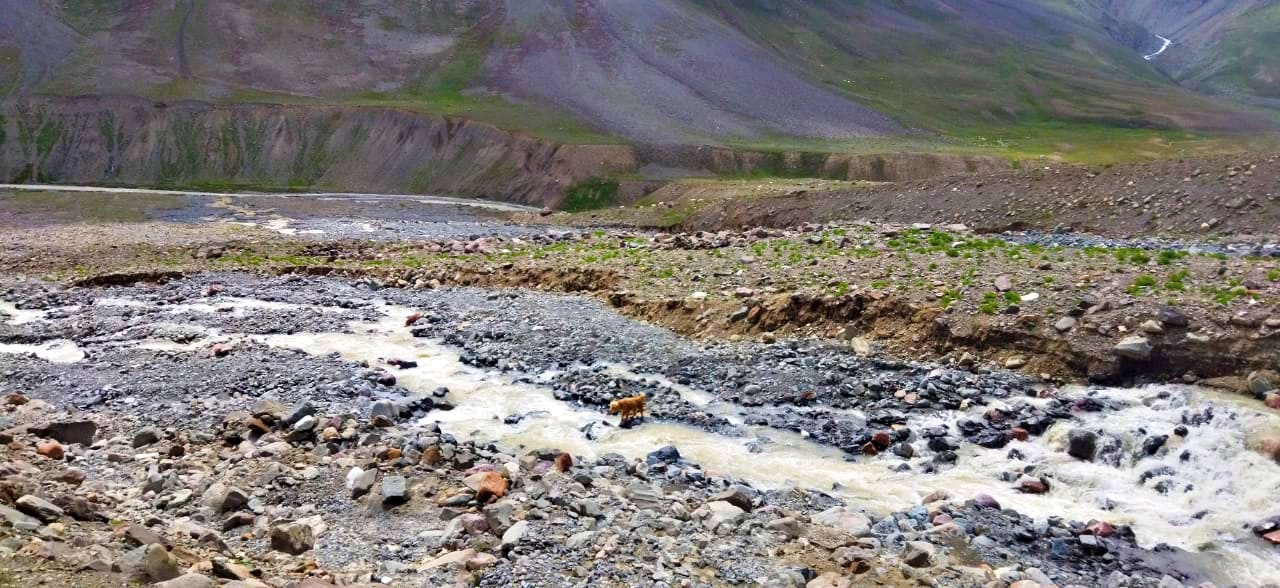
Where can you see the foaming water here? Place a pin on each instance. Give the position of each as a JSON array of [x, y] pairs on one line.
[[58, 351], [18, 316], [1207, 503]]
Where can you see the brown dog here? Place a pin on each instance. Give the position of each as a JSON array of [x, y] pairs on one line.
[[628, 408]]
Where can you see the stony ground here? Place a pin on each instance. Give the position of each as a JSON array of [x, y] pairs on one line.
[[260, 465], [252, 465]]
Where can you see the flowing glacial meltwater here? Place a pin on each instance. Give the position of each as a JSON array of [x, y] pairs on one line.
[[1200, 492], [1173, 462]]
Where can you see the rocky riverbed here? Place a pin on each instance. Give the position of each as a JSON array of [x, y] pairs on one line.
[[228, 428]]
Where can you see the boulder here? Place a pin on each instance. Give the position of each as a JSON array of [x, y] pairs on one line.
[[918, 554], [395, 491], [186, 581], [738, 495], [1136, 348], [449, 560], [146, 437], [159, 564], [721, 512], [69, 432], [39, 508], [846, 519], [1082, 444], [293, 538]]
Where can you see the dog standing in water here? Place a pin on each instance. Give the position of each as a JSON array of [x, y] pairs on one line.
[[628, 408]]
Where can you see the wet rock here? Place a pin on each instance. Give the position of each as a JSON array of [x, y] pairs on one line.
[[918, 554], [293, 538], [985, 501], [69, 432], [39, 508], [667, 454], [1100, 528], [146, 437], [1152, 444], [1029, 485], [383, 413], [1082, 444], [1261, 382]]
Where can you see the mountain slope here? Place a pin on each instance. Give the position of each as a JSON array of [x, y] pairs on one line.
[[755, 72], [1227, 47]]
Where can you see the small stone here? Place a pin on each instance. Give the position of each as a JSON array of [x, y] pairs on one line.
[[191, 580], [788, 526], [1004, 283], [481, 561], [395, 491], [985, 501], [1015, 362], [293, 538], [1064, 324], [39, 508], [146, 437], [160, 565], [360, 481], [721, 512], [450, 560], [1172, 317], [918, 554], [473, 523], [1135, 348], [383, 413], [515, 533], [221, 349], [69, 432], [1151, 327], [50, 449], [739, 496], [222, 498], [1082, 444], [138, 535]]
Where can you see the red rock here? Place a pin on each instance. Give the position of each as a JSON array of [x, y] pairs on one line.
[[994, 415], [1020, 434], [413, 318], [50, 449], [935, 496], [1273, 401], [1273, 537], [176, 450], [493, 486], [221, 350], [393, 454], [16, 399], [869, 449], [941, 519], [1033, 486], [986, 501], [881, 439], [1100, 529], [213, 289], [563, 462], [386, 379]]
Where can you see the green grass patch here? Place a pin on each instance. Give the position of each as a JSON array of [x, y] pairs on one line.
[[590, 195]]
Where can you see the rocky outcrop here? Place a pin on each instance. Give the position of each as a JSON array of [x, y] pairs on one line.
[[132, 141], [126, 140]]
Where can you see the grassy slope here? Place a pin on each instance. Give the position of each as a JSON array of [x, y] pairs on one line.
[[1077, 96], [1074, 97], [1246, 61]]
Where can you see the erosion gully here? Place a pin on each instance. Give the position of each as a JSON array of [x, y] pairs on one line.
[[1220, 490]]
